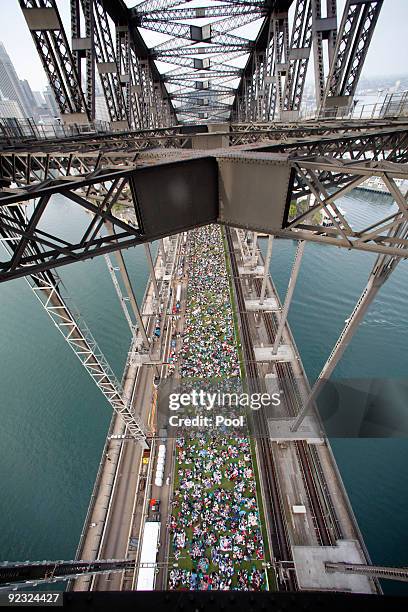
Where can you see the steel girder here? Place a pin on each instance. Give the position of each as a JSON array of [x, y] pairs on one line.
[[299, 53], [280, 82], [323, 29], [270, 87], [378, 145], [162, 137], [37, 248], [15, 141], [245, 133], [23, 240], [14, 575], [83, 47], [354, 36], [34, 162], [204, 48], [134, 95], [109, 179], [261, 89], [272, 84], [44, 22], [276, 69], [130, 80], [378, 140], [108, 65], [187, 79], [386, 236], [232, 9], [218, 33]]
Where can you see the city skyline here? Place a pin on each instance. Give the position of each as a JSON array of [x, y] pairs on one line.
[[17, 99]]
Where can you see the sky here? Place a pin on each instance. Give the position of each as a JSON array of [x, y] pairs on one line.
[[388, 53]]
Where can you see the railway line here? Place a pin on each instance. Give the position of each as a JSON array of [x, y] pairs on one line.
[[272, 497], [323, 484], [287, 381], [325, 520]]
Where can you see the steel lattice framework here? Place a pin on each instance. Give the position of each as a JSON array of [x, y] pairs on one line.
[[96, 176], [244, 60], [134, 92]]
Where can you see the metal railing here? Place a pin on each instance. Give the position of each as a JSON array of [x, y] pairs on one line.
[[392, 105], [12, 128]]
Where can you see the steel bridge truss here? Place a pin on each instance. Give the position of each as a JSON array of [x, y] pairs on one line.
[[28, 574], [141, 188], [97, 193], [273, 80], [240, 60], [133, 91], [78, 336], [353, 40], [385, 264], [49, 289], [329, 180], [31, 163]]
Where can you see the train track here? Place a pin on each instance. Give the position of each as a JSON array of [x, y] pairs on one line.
[[287, 381], [272, 497]]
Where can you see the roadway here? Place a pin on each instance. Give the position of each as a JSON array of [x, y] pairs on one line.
[[119, 506]]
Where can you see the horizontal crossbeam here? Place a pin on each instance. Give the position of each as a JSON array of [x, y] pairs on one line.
[[155, 210]]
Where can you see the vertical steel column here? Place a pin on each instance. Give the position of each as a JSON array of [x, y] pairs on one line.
[[355, 32], [132, 298], [318, 51], [332, 36], [108, 68], [381, 271], [289, 294], [57, 58], [268, 81], [129, 289], [267, 263], [163, 250], [122, 299], [87, 7], [76, 34], [240, 245], [299, 53], [151, 268], [282, 58], [255, 248]]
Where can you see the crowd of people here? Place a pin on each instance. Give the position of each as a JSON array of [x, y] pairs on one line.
[[208, 338], [215, 524]]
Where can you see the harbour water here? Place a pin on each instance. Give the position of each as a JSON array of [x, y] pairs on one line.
[[54, 419]]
